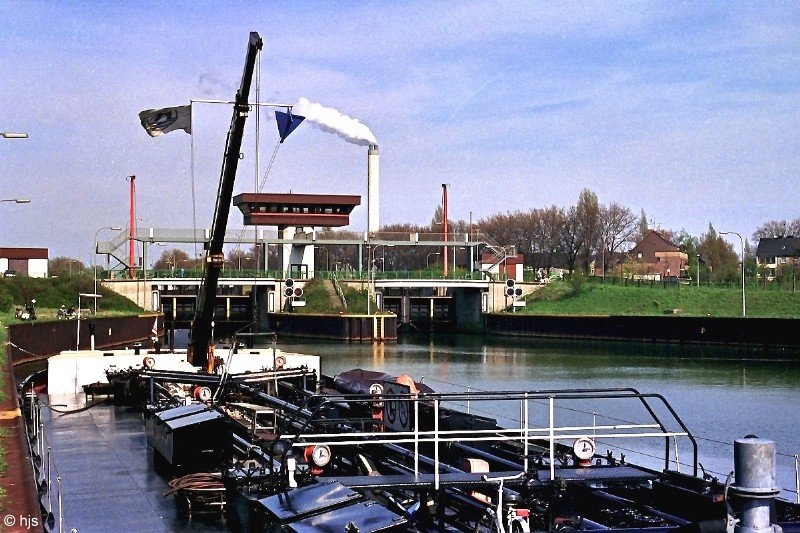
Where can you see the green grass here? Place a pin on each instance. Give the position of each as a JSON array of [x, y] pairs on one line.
[[50, 293], [357, 300], [318, 300], [600, 299]]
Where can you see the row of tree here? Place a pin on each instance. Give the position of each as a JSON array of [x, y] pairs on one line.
[[573, 238]]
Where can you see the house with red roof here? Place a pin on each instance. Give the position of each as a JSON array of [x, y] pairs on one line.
[[656, 257]]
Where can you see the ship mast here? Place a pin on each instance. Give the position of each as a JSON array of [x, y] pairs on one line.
[[200, 340]]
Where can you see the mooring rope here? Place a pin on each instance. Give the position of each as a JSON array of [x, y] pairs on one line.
[[194, 482], [73, 411]]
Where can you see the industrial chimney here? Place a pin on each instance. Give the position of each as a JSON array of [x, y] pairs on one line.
[[373, 195]]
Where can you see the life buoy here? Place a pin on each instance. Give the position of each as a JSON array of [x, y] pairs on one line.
[[148, 363]]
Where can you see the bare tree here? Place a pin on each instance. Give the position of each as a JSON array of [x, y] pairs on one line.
[[618, 227], [239, 259], [338, 256], [545, 236], [171, 259], [403, 257], [571, 237], [777, 228], [65, 265], [588, 213]]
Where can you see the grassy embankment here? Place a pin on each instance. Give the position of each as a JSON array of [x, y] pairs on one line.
[[606, 299], [50, 294], [320, 301], [592, 298]]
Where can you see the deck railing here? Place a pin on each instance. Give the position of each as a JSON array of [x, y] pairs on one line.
[[527, 435]]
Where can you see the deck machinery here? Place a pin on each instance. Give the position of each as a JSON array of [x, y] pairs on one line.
[[364, 451]]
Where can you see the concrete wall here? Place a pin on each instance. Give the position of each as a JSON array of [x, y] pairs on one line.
[[496, 297], [134, 290], [467, 304], [342, 327]]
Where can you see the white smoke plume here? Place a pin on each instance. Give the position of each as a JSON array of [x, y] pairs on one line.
[[330, 120]]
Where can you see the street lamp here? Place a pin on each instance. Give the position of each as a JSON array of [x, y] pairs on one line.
[[248, 258], [327, 259], [94, 257], [371, 276], [84, 295], [11, 135], [698, 271], [17, 200], [744, 312], [604, 260], [428, 258]]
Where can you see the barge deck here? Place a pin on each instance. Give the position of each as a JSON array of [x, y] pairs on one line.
[[277, 447]]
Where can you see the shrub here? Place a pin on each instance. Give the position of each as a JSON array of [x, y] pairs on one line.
[[577, 281], [6, 301]]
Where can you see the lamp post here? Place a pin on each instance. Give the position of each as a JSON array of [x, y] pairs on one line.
[[604, 260], [444, 226], [12, 135], [16, 200], [84, 295], [188, 262], [698, 271], [327, 259], [371, 276], [94, 257], [248, 258], [428, 258], [744, 311]]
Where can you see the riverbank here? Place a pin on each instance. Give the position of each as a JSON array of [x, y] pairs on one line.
[[651, 298], [763, 333]]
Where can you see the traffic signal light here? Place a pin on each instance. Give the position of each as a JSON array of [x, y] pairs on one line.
[[510, 287]]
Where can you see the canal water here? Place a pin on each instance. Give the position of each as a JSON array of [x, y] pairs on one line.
[[720, 393]]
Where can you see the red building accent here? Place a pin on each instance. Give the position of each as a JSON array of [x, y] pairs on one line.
[[24, 253], [282, 209], [511, 267]]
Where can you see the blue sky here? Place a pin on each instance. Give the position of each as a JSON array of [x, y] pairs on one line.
[[686, 110]]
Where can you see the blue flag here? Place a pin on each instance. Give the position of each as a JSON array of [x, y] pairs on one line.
[[287, 123]]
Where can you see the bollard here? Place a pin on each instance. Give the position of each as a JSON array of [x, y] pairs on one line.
[[755, 484]]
